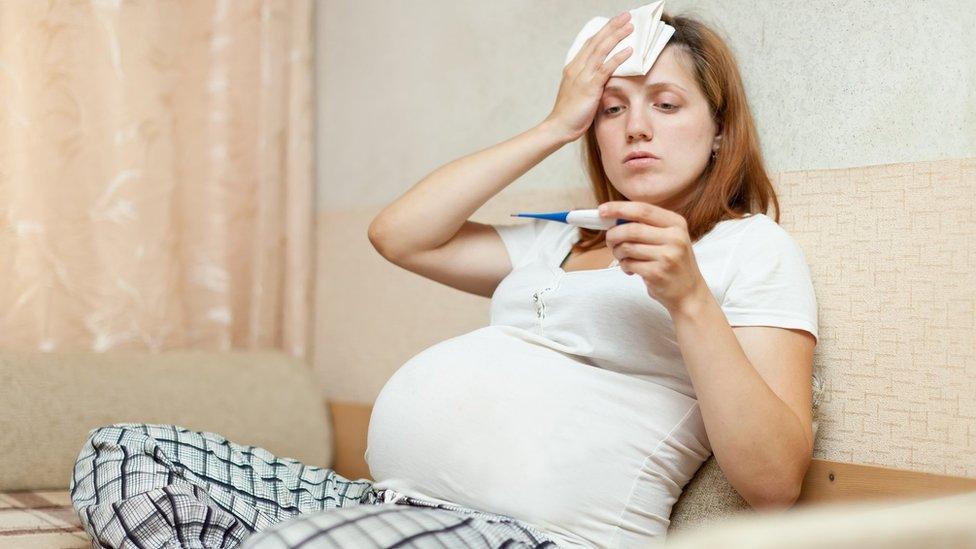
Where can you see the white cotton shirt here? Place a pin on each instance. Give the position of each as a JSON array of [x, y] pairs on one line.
[[573, 410]]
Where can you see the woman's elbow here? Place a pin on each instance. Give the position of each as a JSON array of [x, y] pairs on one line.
[[779, 490], [774, 496]]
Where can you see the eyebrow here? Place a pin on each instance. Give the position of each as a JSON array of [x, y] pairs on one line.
[[652, 86]]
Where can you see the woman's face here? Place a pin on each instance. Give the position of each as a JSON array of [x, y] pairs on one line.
[[664, 113]]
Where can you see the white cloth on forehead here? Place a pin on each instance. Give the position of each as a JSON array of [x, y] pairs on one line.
[[647, 39]]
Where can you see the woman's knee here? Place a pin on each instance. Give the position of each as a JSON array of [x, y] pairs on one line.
[[106, 453], [117, 434], [130, 438]]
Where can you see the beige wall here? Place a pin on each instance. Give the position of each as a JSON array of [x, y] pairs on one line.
[[856, 149]]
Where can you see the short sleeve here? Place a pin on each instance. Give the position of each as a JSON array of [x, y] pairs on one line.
[[769, 281], [519, 238]]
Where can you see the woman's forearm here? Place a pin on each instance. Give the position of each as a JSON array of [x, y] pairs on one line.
[[456, 190], [758, 440]]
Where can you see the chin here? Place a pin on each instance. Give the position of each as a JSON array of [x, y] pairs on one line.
[[647, 181], [652, 194]]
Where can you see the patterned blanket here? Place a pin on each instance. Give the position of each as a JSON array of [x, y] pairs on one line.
[[40, 519]]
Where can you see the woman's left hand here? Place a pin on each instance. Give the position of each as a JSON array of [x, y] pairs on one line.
[[656, 246]]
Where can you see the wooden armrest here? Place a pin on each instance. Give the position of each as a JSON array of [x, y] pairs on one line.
[[350, 423], [835, 481]]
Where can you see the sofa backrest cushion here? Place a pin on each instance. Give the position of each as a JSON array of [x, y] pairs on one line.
[[52, 400]]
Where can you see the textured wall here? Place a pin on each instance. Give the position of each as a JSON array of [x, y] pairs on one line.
[[892, 253], [863, 109]]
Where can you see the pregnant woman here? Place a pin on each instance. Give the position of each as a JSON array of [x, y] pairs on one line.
[[615, 362]]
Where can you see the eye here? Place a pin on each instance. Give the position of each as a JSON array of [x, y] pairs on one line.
[[671, 107]]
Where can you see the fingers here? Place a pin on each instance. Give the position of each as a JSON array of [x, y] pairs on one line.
[[638, 251], [615, 61], [599, 55]]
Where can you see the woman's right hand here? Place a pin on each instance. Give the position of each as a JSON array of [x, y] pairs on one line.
[[586, 75]]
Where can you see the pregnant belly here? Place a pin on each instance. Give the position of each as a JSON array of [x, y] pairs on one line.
[[492, 421]]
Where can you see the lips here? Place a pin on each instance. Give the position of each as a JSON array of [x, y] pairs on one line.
[[639, 154]]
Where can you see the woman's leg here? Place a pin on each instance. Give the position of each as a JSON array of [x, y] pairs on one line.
[[162, 486], [407, 523]]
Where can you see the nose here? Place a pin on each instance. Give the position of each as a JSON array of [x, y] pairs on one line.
[[638, 126]]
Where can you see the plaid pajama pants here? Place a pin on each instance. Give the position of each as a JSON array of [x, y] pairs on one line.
[[151, 486]]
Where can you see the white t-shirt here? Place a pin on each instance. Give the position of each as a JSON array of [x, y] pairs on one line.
[[573, 411]]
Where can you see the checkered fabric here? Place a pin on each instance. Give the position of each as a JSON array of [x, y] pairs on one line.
[[163, 486]]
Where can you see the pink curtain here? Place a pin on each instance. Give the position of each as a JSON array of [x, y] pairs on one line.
[[156, 182]]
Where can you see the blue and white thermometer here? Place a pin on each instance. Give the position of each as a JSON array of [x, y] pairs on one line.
[[587, 219]]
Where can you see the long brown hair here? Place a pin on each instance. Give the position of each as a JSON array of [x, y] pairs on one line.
[[734, 183]]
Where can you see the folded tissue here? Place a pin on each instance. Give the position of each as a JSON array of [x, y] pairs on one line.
[[647, 39]]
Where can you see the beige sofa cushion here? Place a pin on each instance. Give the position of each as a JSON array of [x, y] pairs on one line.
[[52, 400], [709, 497]]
